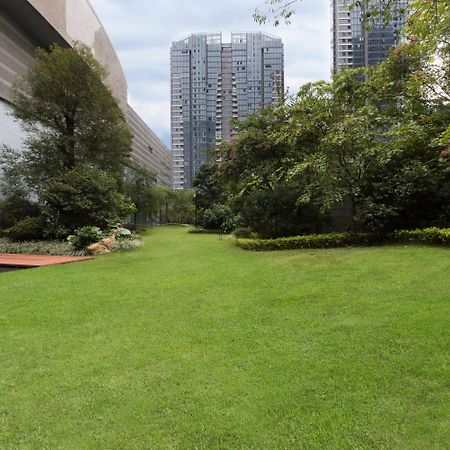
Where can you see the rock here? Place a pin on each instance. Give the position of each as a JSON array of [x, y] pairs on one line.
[[108, 242], [97, 249]]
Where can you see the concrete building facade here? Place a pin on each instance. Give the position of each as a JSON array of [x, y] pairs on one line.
[[355, 43], [28, 24], [212, 83]]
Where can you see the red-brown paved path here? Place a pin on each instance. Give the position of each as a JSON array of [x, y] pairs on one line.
[[10, 259]]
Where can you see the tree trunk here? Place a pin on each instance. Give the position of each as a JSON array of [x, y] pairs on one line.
[[70, 141]]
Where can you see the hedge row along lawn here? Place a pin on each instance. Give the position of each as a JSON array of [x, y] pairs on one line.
[[431, 236], [191, 342]]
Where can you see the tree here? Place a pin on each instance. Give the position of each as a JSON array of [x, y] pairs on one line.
[[283, 10], [72, 123], [139, 185], [348, 139], [71, 115], [80, 197], [175, 206]]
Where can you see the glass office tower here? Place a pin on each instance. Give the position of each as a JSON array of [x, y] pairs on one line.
[[211, 84], [357, 43]]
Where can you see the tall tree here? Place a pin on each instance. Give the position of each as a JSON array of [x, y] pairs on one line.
[[69, 113], [72, 122]]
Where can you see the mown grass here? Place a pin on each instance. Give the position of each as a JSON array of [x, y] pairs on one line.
[[191, 342]]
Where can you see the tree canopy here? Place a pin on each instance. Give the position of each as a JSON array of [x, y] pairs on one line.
[[378, 143], [77, 140]]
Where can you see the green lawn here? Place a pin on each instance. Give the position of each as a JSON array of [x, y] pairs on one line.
[[191, 342]]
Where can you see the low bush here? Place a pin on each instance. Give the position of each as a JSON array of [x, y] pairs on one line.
[[127, 244], [123, 233], [328, 240], [201, 230], [130, 226], [26, 229], [219, 217], [85, 236], [434, 235], [244, 233]]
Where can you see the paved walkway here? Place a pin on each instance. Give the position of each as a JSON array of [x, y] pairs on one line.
[[14, 260]]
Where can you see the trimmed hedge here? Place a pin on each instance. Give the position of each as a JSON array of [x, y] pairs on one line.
[[434, 236], [328, 240], [200, 230]]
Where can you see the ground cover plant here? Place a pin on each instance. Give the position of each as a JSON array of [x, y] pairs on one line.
[[62, 248], [191, 342]]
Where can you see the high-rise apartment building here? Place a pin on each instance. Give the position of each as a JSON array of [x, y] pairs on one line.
[[360, 43], [213, 82]]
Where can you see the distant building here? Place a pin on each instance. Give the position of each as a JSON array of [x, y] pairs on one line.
[[354, 43], [27, 24], [214, 82]]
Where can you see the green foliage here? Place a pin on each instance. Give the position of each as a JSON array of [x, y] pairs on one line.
[[85, 236], [59, 248], [70, 113], [201, 230], [123, 233], [277, 213], [131, 243], [83, 196], [26, 229], [433, 235], [139, 186], [278, 10], [175, 206], [327, 240], [244, 233], [181, 206], [16, 208], [78, 141], [208, 188], [219, 217], [370, 143]]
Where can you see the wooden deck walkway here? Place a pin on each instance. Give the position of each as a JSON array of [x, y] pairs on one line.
[[15, 260]]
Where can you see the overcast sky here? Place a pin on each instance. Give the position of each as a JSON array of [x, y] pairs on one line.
[[142, 31]]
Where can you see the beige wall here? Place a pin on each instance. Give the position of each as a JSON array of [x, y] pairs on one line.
[[148, 150], [16, 50], [75, 20]]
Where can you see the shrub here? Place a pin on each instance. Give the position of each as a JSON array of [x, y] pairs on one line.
[[85, 236], [215, 216], [328, 240], [127, 244], [243, 233], [26, 229], [83, 196], [130, 226], [437, 236], [433, 236], [123, 233], [277, 213], [15, 208], [201, 230]]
